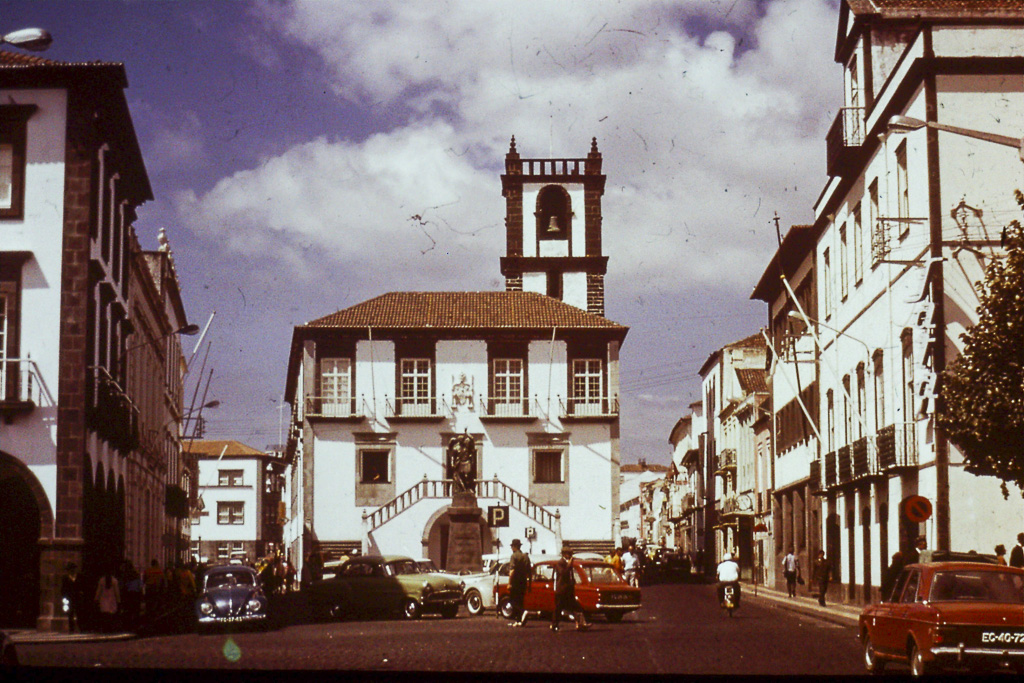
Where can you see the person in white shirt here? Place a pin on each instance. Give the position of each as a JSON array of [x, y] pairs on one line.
[[728, 573], [791, 570], [629, 562]]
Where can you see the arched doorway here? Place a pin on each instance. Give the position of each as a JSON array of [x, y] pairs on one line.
[[20, 524], [436, 538]]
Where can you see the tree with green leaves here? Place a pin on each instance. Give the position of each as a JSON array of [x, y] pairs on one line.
[[982, 391]]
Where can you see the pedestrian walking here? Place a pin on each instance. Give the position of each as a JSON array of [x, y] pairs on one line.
[[1017, 553], [629, 566], [891, 574], [519, 571], [289, 585], [565, 593], [71, 596], [108, 601], [791, 570], [1001, 554], [822, 575], [306, 573]]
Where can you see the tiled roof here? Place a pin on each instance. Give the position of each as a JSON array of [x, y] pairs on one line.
[[20, 59], [752, 380], [958, 7], [465, 310], [649, 467], [214, 449]]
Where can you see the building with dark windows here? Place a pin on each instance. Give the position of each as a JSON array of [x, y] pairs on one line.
[[90, 363], [531, 374]]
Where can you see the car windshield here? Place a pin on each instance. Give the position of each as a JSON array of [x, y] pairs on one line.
[[402, 567], [427, 566], [977, 586], [604, 573], [229, 579]]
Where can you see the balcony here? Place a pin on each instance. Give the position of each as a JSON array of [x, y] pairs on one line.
[[334, 408], [897, 446], [830, 470], [863, 462], [845, 465], [21, 388], [844, 141], [590, 408], [688, 503], [726, 461], [112, 415], [816, 483], [507, 409], [416, 409]]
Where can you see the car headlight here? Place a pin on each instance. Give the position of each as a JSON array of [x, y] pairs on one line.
[[462, 586], [66, 605], [206, 608], [427, 588], [254, 605]]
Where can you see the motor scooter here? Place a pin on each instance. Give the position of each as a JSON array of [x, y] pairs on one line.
[[730, 598]]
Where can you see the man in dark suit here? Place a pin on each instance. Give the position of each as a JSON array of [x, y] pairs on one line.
[[1017, 554]]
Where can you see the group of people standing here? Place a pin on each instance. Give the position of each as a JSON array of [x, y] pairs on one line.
[[125, 599], [1016, 555], [627, 561], [520, 577]]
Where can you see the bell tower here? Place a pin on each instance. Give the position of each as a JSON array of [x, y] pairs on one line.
[[553, 228]]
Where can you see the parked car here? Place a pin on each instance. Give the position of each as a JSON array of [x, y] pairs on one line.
[[948, 615], [230, 594], [375, 584], [600, 589]]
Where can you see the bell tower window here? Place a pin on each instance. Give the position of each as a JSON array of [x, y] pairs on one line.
[[554, 209]]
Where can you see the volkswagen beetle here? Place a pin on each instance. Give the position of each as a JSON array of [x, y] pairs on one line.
[[231, 594]]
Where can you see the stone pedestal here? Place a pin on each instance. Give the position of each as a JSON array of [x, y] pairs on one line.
[[464, 548]]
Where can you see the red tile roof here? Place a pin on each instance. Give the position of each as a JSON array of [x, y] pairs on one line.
[[752, 380], [234, 449], [965, 8], [464, 310]]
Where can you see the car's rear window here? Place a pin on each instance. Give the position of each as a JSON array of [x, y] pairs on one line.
[[601, 574], [977, 586], [229, 579]]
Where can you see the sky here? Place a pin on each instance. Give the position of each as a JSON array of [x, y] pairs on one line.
[[309, 155]]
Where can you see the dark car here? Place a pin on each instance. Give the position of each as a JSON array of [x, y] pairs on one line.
[[374, 584], [948, 615], [600, 589], [231, 594]]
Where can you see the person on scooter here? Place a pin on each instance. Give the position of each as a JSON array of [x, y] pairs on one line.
[[728, 574]]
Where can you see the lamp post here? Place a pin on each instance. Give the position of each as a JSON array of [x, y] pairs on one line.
[[906, 124], [33, 39]]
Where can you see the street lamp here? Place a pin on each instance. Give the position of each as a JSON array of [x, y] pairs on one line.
[[906, 124], [33, 39]]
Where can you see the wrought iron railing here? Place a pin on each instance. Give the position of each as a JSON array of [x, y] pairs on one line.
[[831, 478], [21, 382], [815, 476], [416, 407], [333, 407], [862, 457], [897, 446], [507, 407], [845, 133], [843, 460], [589, 407], [727, 460], [114, 416]]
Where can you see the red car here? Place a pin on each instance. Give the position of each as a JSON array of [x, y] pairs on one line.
[[600, 589], [948, 615]]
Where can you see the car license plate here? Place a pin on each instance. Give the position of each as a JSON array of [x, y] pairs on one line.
[[1002, 638]]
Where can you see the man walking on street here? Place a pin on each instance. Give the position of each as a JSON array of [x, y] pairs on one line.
[[822, 574], [791, 569], [629, 563], [518, 582], [565, 593], [1017, 554]]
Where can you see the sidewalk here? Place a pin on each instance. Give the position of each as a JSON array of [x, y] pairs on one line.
[[838, 613], [20, 636]]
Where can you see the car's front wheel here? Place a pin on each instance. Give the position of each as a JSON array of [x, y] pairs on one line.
[[505, 608], [411, 610], [475, 603], [918, 666], [872, 662]]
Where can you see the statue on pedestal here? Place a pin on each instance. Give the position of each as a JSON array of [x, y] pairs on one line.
[[461, 454]]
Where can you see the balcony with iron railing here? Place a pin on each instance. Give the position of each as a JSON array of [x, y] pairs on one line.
[[21, 388], [112, 414], [347, 408], [844, 141], [589, 408], [508, 409], [862, 457], [896, 446], [831, 470], [845, 464], [413, 409], [726, 461], [815, 476]]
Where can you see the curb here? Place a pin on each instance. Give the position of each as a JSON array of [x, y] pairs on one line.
[[39, 637], [842, 617]]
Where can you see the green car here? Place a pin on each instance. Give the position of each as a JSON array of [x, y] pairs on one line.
[[389, 584]]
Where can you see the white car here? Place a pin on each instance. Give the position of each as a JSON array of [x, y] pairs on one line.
[[479, 590]]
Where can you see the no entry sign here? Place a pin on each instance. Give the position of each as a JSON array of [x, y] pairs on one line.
[[917, 508]]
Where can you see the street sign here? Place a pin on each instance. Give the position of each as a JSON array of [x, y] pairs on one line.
[[917, 508], [497, 515]]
